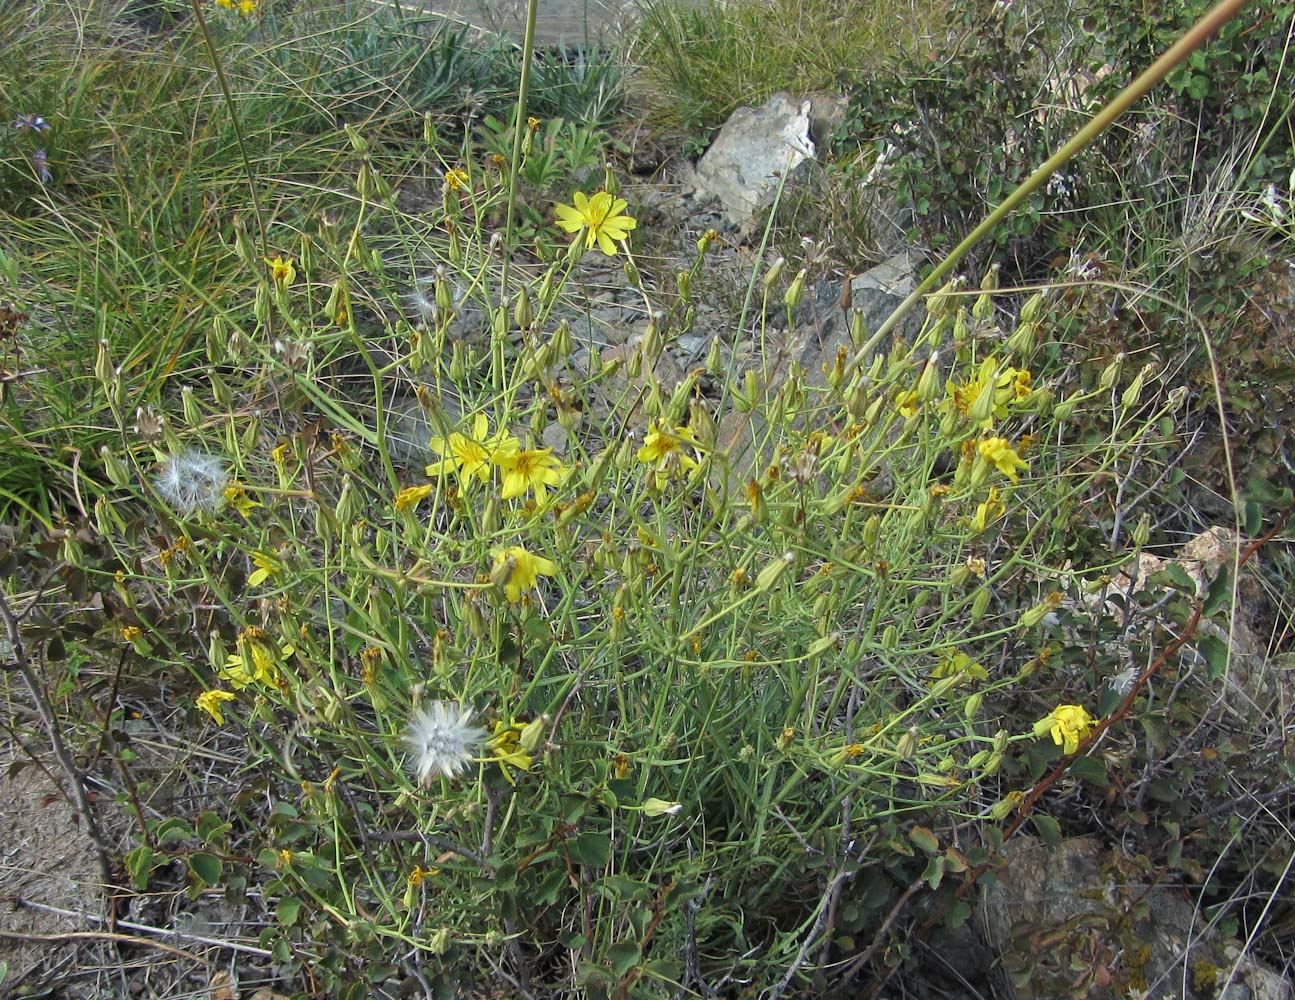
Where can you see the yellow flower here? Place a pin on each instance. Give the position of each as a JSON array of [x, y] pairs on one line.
[[211, 702], [506, 750], [991, 510], [907, 404], [518, 570], [409, 498], [664, 450], [468, 457], [246, 6], [654, 807], [282, 271], [1068, 724], [267, 565], [601, 218], [456, 179], [257, 661], [129, 633], [994, 390], [536, 470], [998, 452], [236, 497]]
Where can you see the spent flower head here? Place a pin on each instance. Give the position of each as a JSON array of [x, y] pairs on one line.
[[602, 218], [192, 481], [443, 740], [212, 702]]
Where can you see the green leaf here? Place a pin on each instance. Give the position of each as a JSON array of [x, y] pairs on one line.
[[1049, 829], [1215, 652], [172, 831], [206, 867], [664, 968], [1254, 518], [289, 910], [1220, 592], [139, 865], [1091, 770], [211, 827], [957, 914], [925, 840], [1175, 576], [593, 849], [934, 871], [623, 956]]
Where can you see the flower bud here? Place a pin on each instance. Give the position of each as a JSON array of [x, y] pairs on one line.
[[1111, 373], [928, 383], [349, 505], [107, 520], [220, 390], [940, 303], [774, 272], [979, 604], [1142, 531], [1134, 392], [796, 290], [768, 576], [523, 312], [532, 733], [1003, 808], [660, 807], [684, 280], [117, 470], [1034, 616], [1064, 410], [1032, 311], [1023, 340], [858, 331], [632, 275]]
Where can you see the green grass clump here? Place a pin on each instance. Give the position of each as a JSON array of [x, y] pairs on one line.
[[703, 61]]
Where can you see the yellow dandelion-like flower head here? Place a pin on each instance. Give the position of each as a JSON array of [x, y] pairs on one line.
[[601, 217]]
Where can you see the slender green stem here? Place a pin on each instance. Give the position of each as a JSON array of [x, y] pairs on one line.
[[210, 46], [523, 88], [1157, 71]]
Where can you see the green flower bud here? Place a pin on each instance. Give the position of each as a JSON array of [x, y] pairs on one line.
[[768, 576], [774, 272], [928, 383], [1111, 373], [858, 332], [117, 470], [1032, 311], [796, 290], [979, 604], [523, 312], [1064, 410]]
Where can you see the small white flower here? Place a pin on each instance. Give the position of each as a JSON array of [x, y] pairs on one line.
[[192, 481], [443, 740]]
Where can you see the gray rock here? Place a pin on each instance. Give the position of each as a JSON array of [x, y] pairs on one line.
[[1049, 909], [755, 150]]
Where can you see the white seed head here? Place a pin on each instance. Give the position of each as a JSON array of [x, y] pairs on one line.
[[192, 481], [443, 740]]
